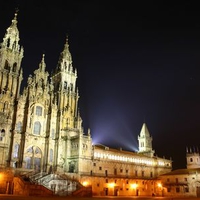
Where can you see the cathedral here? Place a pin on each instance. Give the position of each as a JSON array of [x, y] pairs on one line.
[[41, 129]]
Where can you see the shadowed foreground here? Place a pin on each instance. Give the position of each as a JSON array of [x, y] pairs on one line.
[[14, 197]]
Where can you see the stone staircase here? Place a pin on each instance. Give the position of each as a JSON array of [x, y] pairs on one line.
[[60, 184]]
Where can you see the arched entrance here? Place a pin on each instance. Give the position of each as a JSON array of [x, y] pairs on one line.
[[33, 156]]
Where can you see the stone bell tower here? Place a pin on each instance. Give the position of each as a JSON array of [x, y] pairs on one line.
[[145, 141], [11, 54]]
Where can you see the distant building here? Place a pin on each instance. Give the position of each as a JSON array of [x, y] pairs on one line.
[[183, 182], [41, 130]]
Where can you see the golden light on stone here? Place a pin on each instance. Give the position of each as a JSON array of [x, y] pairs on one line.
[[134, 185], [111, 185], [85, 183], [159, 185]]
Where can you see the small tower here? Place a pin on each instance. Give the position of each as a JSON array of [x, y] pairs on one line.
[[11, 55], [145, 141], [192, 158]]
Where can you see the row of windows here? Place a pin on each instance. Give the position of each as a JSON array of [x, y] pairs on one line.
[[68, 87], [142, 144], [126, 171], [127, 182], [192, 160], [36, 129], [185, 189], [7, 66], [176, 180], [32, 150], [130, 159]]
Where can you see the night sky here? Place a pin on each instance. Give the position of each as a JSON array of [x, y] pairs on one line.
[[137, 61]]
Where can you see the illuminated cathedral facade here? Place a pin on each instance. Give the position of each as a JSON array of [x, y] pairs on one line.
[[41, 129]]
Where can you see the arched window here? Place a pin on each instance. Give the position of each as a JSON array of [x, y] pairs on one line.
[[19, 127], [65, 85], [71, 167], [52, 133], [37, 151], [29, 150], [51, 155], [14, 45], [14, 67], [8, 42], [15, 152], [37, 128], [2, 134], [38, 110], [71, 86], [6, 65], [33, 158]]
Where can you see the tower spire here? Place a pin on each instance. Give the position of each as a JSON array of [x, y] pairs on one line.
[[145, 141], [11, 38]]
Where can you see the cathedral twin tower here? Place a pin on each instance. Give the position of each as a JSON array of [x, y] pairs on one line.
[[39, 126]]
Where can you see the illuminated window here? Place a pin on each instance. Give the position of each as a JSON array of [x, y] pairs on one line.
[[37, 128], [38, 110], [51, 155], [37, 151], [16, 149], [30, 150], [19, 126], [52, 133]]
